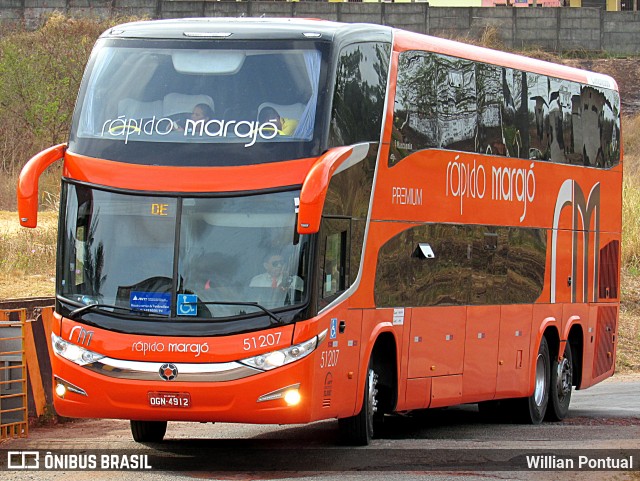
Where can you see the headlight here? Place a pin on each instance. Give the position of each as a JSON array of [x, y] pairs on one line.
[[73, 352], [273, 359]]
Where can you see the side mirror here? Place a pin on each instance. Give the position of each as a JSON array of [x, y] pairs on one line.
[[314, 188], [28, 183]]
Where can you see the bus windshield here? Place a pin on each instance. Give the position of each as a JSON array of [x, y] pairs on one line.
[[173, 99], [181, 257]]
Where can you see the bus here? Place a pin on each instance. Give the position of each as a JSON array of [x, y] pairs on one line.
[[291, 220]]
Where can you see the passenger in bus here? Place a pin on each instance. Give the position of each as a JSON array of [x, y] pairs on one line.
[[284, 125], [275, 276], [199, 112]]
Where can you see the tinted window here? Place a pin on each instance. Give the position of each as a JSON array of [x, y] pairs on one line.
[[490, 95], [348, 196], [445, 102], [440, 264], [415, 122], [334, 270], [245, 97], [358, 101], [120, 250]]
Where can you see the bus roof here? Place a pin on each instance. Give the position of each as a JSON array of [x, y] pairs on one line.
[[405, 40], [241, 28], [252, 28]]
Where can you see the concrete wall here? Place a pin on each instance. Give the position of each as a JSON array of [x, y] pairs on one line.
[[555, 29]]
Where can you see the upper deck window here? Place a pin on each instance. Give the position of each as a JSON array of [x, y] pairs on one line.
[[445, 102], [184, 96]]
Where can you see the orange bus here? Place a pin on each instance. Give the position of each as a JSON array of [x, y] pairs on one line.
[[284, 221]]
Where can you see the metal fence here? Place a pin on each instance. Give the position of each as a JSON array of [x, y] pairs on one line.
[[14, 419]]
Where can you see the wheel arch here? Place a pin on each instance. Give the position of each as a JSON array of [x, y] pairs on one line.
[[385, 361], [383, 352], [576, 341], [548, 331]]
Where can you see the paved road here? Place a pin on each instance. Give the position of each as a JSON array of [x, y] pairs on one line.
[[608, 399], [456, 443]]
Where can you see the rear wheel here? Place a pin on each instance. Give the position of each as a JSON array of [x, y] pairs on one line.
[[561, 385], [532, 409], [358, 430], [148, 431]]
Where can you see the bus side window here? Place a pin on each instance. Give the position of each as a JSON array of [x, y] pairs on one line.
[[358, 102], [334, 259]]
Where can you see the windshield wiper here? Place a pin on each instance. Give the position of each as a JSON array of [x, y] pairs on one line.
[[81, 310], [251, 304]]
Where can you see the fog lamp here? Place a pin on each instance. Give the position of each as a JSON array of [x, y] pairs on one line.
[[61, 390], [292, 397]]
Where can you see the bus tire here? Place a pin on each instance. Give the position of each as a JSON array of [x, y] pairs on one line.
[[358, 430], [561, 385], [148, 431], [532, 409]]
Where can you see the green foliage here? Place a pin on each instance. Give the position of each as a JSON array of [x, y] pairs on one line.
[[40, 74]]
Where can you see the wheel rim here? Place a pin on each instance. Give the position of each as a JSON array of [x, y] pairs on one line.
[[541, 381], [565, 379]]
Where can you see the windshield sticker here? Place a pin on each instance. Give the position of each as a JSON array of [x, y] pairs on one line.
[[187, 305], [154, 302], [130, 128]]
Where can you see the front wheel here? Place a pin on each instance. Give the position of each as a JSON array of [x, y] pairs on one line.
[[561, 385], [358, 430], [532, 409], [148, 431]]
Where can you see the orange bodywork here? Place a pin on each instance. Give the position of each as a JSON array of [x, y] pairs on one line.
[[445, 355]]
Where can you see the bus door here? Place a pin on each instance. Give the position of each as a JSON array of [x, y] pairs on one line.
[[338, 358]]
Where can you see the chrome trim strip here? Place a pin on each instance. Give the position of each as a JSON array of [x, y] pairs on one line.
[[187, 372], [70, 387], [277, 394]]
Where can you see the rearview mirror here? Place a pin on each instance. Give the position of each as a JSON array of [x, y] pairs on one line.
[[28, 183], [314, 188]]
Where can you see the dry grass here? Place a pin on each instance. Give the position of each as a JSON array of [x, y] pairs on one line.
[[27, 256], [629, 327], [631, 196], [631, 224]]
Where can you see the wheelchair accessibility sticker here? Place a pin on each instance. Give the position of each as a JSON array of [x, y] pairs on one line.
[[154, 302], [187, 305]]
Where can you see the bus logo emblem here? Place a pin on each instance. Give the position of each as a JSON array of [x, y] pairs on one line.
[[84, 336], [168, 371]]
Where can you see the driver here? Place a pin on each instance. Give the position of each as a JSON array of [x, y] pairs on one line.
[[275, 276]]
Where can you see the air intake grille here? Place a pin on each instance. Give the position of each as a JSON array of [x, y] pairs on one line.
[[605, 340], [608, 278]]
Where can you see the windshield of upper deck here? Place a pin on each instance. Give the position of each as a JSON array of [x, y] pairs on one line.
[[238, 93]]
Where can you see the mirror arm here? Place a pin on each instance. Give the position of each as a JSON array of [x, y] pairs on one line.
[[315, 186], [28, 183]]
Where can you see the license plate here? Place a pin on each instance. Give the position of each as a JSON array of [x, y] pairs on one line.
[[170, 399]]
